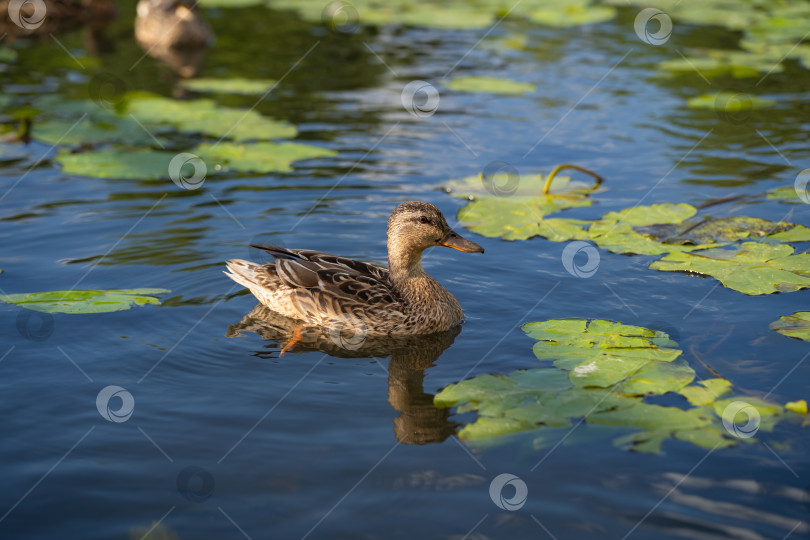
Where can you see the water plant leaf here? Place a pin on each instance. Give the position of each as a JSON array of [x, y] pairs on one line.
[[206, 117], [785, 194], [799, 407], [795, 326], [84, 301], [706, 392], [513, 207], [91, 130], [259, 157], [492, 85], [117, 162], [752, 268], [564, 14], [729, 102], [544, 400], [231, 85]]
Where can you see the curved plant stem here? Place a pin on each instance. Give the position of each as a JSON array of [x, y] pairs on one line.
[[559, 168]]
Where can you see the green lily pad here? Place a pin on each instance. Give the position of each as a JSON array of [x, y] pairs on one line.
[[206, 117], [513, 207], [785, 194], [706, 392], [729, 102], [795, 326], [116, 162], [258, 157], [544, 400], [232, 85], [84, 301], [564, 14], [7, 55], [752, 268], [91, 130], [491, 85], [718, 63]]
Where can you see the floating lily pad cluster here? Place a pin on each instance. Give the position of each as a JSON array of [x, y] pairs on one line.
[[603, 373], [771, 33], [518, 212], [450, 14], [138, 137], [83, 301]]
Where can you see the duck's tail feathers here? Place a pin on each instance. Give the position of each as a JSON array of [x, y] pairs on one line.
[[244, 273]]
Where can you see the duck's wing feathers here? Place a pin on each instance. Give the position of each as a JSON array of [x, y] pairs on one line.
[[326, 260], [325, 286]]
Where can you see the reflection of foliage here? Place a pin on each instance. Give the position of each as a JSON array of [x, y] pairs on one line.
[[231, 85], [602, 373], [84, 301]]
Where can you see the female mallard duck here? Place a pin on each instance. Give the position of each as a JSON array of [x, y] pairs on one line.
[[319, 289]]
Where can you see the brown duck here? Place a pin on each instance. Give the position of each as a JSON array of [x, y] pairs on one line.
[[325, 290]]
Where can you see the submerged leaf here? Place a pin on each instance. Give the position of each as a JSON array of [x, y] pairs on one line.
[[84, 301]]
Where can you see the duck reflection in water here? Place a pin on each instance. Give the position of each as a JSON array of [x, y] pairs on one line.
[[419, 422]]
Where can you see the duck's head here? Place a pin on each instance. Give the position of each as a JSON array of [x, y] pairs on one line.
[[415, 226]]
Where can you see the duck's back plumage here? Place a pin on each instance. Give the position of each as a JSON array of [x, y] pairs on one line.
[[322, 289]]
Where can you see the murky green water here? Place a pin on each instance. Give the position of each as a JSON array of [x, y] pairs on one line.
[[317, 445]]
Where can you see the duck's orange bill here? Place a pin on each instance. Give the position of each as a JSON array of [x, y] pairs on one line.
[[455, 241]]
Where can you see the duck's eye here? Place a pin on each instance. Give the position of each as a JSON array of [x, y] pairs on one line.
[[423, 219]]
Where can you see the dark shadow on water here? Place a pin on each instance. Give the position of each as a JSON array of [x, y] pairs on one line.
[[419, 422]]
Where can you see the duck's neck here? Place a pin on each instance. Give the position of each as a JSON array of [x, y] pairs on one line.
[[405, 269]]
